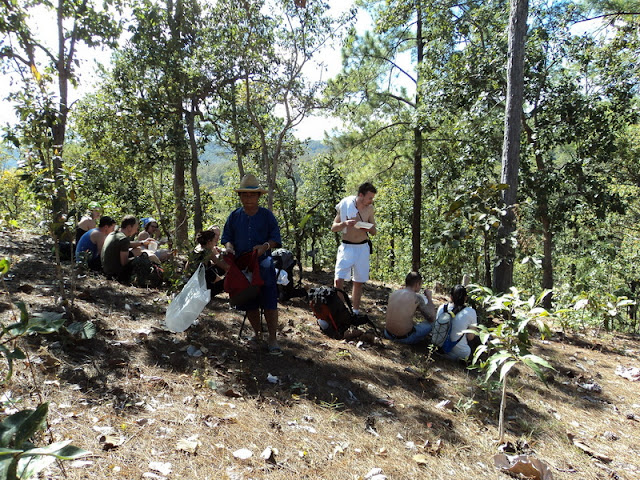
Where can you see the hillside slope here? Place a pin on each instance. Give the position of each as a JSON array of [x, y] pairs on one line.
[[137, 394]]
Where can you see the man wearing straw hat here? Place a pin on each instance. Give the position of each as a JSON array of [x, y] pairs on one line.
[[255, 228]]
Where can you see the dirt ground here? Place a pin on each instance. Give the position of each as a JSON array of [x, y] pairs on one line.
[[149, 403]]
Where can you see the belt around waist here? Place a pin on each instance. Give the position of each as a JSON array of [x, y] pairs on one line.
[[347, 242], [400, 337]]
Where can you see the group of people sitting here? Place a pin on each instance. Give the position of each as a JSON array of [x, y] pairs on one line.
[[114, 252], [403, 304]]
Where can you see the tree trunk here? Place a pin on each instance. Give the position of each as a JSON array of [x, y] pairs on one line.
[[58, 129], [503, 404], [547, 263], [542, 199], [236, 132], [505, 253], [181, 225], [417, 157], [195, 183], [487, 261]]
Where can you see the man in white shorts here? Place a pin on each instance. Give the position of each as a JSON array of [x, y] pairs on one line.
[[355, 220]]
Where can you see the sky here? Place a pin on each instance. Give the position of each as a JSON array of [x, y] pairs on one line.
[[312, 127]]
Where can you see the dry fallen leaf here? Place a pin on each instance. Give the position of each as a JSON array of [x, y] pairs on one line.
[[382, 452], [420, 459], [109, 442], [243, 454], [164, 468], [269, 455], [445, 405], [232, 393], [525, 465], [189, 445], [432, 448], [375, 474], [588, 450]]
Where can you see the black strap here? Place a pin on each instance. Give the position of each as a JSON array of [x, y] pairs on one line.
[[355, 243]]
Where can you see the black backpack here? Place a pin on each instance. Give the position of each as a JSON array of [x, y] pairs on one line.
[[284, 259], [336, 315], [145, 273]]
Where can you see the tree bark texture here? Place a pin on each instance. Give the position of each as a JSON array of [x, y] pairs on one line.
[[417, 157], [505, 252], [195, 183]]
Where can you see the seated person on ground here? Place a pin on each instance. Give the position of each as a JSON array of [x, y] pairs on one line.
[[90, 244], [465, 319], [208, 253], [151, 227], [117, 252], [402, 307], [88, 221]]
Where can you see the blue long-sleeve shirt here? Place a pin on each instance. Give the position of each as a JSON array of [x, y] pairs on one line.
[[245, 231]]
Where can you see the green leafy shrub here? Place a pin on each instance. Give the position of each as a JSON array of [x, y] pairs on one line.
[[19, 457], [507, 344]]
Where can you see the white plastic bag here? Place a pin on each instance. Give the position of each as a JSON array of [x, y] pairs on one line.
[[189, 303], [283, 278]]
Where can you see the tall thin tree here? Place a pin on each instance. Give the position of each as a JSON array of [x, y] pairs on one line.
[[505, 250]]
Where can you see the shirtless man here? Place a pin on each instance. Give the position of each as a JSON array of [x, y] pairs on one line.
[[402, 307], [355, 220]]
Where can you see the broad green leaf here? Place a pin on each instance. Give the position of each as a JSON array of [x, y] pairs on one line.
[[304, 221], [31, 424], [84, 330], [18, 354], [5, 265], [10, 426], [544, 293], [31, 465], [493, 366], [522, 325], [479, 351], [61, 450], [538, 360], [535, 367], [8, 451], [625, 303], [505, 368], [500, 356], [539, 311], [7, 463], [7, 354]]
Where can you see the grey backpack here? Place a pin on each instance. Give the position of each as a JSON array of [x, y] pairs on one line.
[[441, 332]]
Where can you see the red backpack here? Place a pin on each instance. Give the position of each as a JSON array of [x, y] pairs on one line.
[[243, 281]]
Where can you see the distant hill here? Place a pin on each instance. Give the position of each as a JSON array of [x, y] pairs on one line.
[[316, 147], [9, 157], [217, 161], [215, 153]]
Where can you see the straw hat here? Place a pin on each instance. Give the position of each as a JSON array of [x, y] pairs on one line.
[[249, 183]]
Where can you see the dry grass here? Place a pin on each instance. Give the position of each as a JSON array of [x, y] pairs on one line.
[[338, 410]]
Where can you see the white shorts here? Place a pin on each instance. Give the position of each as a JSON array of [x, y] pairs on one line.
[[352, 262]]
